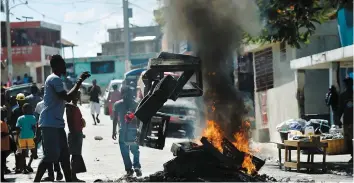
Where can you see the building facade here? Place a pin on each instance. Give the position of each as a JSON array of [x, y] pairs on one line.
[[32, 43], [277, 95], [144, 40], [103, 68]]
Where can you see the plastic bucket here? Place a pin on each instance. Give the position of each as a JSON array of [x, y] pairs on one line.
[[283, 136]]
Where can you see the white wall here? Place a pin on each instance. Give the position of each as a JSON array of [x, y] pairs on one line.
[[282, 72], [281, 100], [281, 106]]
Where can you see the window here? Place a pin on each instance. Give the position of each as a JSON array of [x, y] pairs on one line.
[[264, 69], [102, 67], [282, 52]]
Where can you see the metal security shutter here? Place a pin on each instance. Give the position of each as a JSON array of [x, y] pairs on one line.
[[264, 69]]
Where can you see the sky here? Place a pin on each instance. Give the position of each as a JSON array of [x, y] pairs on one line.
[[84, 22]]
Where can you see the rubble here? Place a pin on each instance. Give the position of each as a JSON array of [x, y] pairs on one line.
[[204, 163], [98, 138]]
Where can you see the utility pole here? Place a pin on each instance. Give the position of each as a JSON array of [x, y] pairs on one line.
[[126, 29], [8, 43]]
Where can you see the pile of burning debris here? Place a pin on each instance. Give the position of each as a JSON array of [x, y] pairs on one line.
[[205, 162]]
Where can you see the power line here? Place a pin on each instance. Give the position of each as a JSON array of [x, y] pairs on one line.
[[74, 2], [137, 6], [78, 23]]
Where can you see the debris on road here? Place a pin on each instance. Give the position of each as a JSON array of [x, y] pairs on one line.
[[98, 138], [200, 163]]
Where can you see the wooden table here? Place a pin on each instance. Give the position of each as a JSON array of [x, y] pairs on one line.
[[281, 146], [301, 145]]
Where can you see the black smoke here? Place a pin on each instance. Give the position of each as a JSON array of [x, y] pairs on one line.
[[215, 29]]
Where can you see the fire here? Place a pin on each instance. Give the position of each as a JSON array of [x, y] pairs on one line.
[[242, 144], [215, 135]]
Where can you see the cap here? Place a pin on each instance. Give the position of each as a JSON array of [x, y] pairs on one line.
[[20, 96]]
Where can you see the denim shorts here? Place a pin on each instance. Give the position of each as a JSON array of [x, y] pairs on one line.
[[54, 143]]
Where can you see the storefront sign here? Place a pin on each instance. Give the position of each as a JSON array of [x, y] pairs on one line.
[[23, 54]]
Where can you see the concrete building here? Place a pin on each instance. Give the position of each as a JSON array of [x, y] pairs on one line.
[[277, 97], [144, 40], [103, 68], [32, 43]]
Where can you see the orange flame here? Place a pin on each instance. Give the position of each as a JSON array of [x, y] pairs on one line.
[[215, 135], [242, 144]]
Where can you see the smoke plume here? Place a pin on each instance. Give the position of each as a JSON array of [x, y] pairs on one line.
[[215, 29]]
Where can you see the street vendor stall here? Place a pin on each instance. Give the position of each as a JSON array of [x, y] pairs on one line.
[[339, 63]]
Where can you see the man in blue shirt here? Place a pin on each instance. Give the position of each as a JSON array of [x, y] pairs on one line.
[[123, 111], [51, 121]]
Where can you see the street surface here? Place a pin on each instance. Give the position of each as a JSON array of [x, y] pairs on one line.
[[103, 159]]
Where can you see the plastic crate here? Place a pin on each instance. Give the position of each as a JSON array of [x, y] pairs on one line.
[[335, 146]]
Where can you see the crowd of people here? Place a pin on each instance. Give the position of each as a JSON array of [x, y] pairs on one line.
[[18, 80], [39, 119]]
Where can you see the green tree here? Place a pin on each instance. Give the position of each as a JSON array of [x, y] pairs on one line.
[[158, 14]]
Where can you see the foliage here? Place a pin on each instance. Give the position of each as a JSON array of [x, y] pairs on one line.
[[290, 21], [158, 14]]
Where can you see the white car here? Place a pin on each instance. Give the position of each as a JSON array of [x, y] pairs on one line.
[[107, 91]]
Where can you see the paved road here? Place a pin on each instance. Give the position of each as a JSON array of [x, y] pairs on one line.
[[103, 159]]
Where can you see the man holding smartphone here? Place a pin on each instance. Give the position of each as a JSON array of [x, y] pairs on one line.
[[51, 120]]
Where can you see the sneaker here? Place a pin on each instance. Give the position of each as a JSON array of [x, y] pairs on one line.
[[59, 176], [138, 172], [130, 172], [98, 120]]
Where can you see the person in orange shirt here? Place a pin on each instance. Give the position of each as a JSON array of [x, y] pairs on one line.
[[5, 144]]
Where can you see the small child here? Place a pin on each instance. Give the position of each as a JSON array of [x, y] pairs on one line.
[[5, 144], [75, 137], [26, 126]]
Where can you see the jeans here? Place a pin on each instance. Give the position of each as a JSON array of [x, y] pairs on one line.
[[134, 149], [124, 149]]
